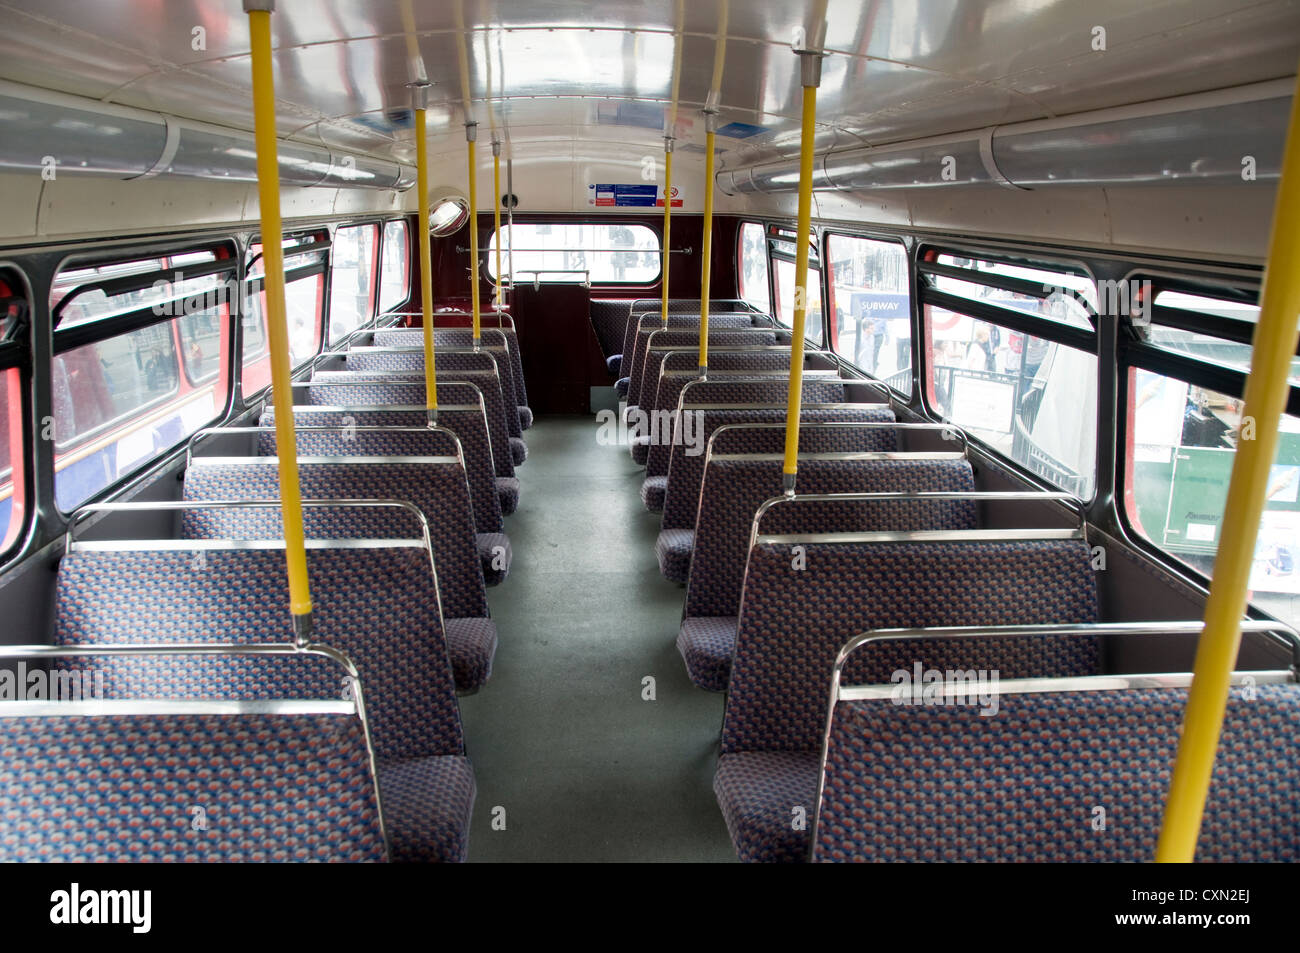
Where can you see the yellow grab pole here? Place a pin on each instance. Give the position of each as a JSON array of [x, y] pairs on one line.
[[471, 139], [496, 218], [668, 219], [277, 328], [426, 250], [706, 245], [811, 66], [1265, 399]]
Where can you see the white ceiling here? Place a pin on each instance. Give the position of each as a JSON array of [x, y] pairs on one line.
[[538, 71]]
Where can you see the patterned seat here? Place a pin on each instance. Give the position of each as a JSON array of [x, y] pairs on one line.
[[282, 787], [686, 470], [347, 439], [430, 801], [794, 620], [437, 489], [772, 390], [1026, 784], [733, 490], [680, 367], [332, 388], [673, 552], [642, 310], [410, 358], [609, 322], [378, 606], [725, 330], [464, 337]]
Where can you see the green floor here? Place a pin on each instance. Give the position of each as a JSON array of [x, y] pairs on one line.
[[561, 738]]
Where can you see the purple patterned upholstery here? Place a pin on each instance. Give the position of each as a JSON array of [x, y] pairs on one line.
[[525, 418], [471, 645], [508, 494], [375, 388], [122, 788], [725, 330], [760, 360], [765, 797], [518, 451], [794, 621], [428, 801], [653, 491], [495, 556], [673, 551], [464, 337], [682, 497], [644, 310], [706, 644], [377, 606], [732, 493], [928, 783], [469, 426], [438, 489], [609, 321], [755, 390], [491, 357]]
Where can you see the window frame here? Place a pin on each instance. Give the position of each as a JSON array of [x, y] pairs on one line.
[[225, 265], [376, 258], [408, 277], [655, 228], [15, 356], [739, 261], [1133, 353], [1087, 342], [913, 312]]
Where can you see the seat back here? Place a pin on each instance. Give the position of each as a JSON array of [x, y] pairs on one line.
[[735, 387], [799, 606], [686, 470], [463, 337], [643, 308], [435, 485], [376, 601], [735, 486], [1112, 749], [403, 388], [410, 358], [466, 421], [272, 787], [641, 384]]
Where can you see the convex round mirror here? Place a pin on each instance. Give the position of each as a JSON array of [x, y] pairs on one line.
[[447, 216]]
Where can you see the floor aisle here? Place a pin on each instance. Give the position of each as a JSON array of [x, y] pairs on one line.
[[560, 737]]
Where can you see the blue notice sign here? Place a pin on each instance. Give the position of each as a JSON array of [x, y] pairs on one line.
[[626, 196]]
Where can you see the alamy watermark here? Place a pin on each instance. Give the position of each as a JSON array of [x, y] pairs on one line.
[[1131, 298], [946, 687], [37, 684], [660, 428]]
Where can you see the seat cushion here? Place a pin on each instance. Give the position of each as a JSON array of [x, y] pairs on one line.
[[639, 447], [706, 644], [471, 645], [654, 490], [621, 385], [767, 799], [613, 362], [673, 550], [525, 417], [495, 554], [426, 804], [508, 492], [518, 450]]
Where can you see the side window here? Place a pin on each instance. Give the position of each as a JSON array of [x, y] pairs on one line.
[[755, 288], [783, 265], [1032, 398], [304, 299], [873, 308], [13, 351], [124, 398], [395, 269], [352, 279], [1183, 438]]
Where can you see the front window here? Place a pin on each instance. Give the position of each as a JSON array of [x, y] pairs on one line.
[[599, 253]]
